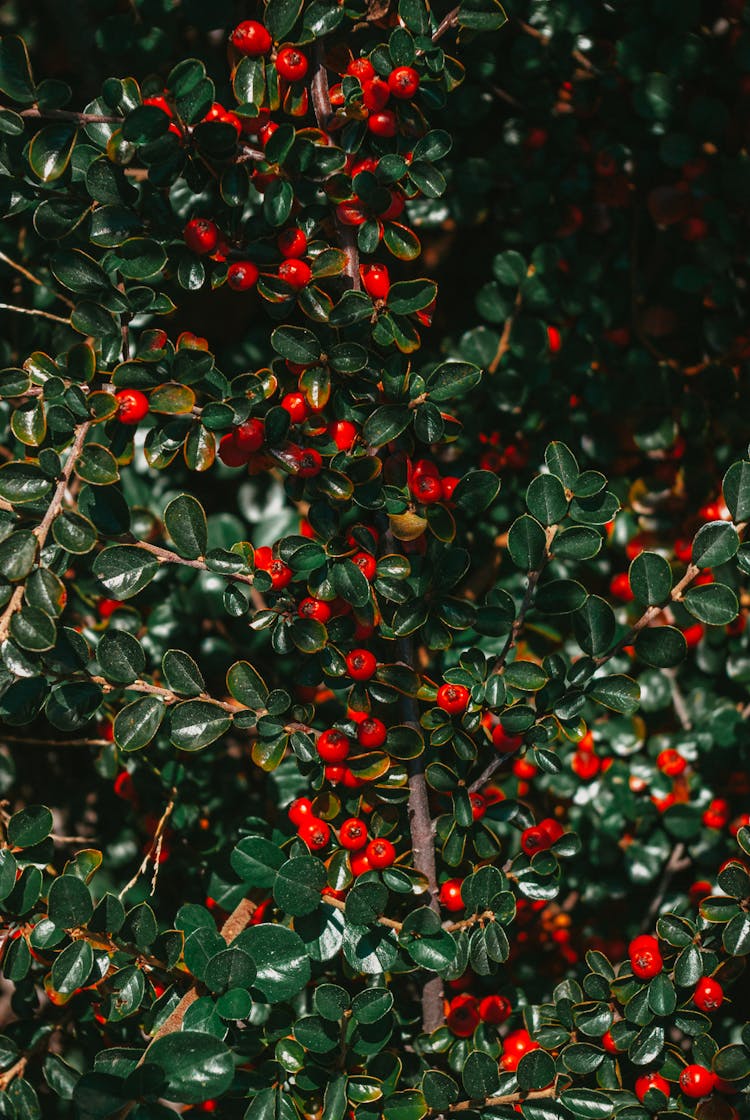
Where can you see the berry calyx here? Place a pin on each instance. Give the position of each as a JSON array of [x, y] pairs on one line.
[[291, 64], [453, 698], [315, 833], [426, 489], [708, 994], [380, 853], [478, 806], [361, 664], [533, 840], [309, 462], [333, 745], [371, 733], [697, 1081], [353, 834], [201, 235], [376, 281], [251, 38], [297, 274], [403, 82], [242, 275], [132, 405], [449, 895]]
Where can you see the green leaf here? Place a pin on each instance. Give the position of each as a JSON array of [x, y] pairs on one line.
[[736, 936], [137, 723], [535, 1070], [121, 657], [736, 489], [257, 861], [714, 544], [281, 959], [50, 151], [280, 17], [386, 423], [246, 685], [546, 499], [662, 997], [527, 543], [181, 673], [69, 902], [194, 724], [350, 583], [298, 884], [451, 380], [185, 520], [560, 596], [650, 578], [22, 482], [576, 543], [594, 625], [712, 603], [124, 570], [480, 1075], [560, 460], [663, 647], [408, 296], [79, 272], [195, 1066], [72, 968], [439, 1090], [15, 70], [617, 692], [29, 826], [476, 491]]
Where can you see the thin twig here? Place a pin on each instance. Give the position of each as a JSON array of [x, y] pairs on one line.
[[35, 279], [36, 312], [678, 861], [62, 115], [154, 849]]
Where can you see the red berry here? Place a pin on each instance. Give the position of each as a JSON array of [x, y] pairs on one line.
[[265, 132], [620, 587], [343, 433], [366, 563], [316, 609], [292, 243], [504, 742], [671, 762], [123, 786], [359, 863], [693, 635], [280, 574], [376, 281], [645, 957], [453, 698], [447, 486], [107, 607], [333, 746], [375, 94], [717, 813], [296, 405], [697, 1081], [380, 853], [309, 462], [132, 405], [159, 102], [551, 828], [708, 994], [403, 82], [478, 806], [249, 436], [297, 274], [494, 1009], [463, 1015], [242, 275], [585, 765], [426, 489], [609, 1043], [392, 211], [650, 1081], [230, 453], [353, 834], [299, 810], [251, 38], [361, 68], [371, 732], [554, 340], [361, 664], [291, 64], [201, 235], [383, 123], [533, 840], [351, 212], [450, 895], [315, 833]]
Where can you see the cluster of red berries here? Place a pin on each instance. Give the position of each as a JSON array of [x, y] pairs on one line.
[[427, 487], [402, 84], [695, 1081], [464, 1012], [203, 236], [365, 854], [541, 836]]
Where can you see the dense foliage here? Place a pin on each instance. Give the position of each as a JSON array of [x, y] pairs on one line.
[[375, 674]]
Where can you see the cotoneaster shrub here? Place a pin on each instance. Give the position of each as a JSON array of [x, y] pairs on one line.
[[374, 678]]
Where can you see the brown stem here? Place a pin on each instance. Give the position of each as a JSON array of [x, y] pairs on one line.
[[518, 622], [34, 311], [34, 279], [319, 94], [678, 861], [649, 615], [509, 1098], [64, 115]]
